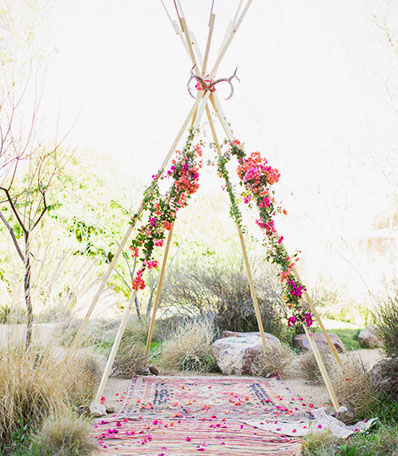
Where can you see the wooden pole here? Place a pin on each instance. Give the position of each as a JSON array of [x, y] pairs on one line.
[[158, 292], [231, 36], [211, 27], [103, 283], [243, 246], [318, 318], [228, 132], [322, 368], [313, 345], [115, 347]]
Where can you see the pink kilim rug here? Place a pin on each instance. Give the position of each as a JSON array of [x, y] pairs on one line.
[[174, 416]]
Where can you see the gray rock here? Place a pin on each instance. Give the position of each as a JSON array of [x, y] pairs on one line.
[[368, 337], [97, 410], [301, 342], [235, 355], [110, 409], [345, 415]]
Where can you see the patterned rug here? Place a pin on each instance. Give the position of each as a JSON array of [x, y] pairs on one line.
[[191, 437], [178, 416], [189, 397]]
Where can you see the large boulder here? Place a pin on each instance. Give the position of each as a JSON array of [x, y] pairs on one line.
[[301, 342], [368, 337], [235, 355]]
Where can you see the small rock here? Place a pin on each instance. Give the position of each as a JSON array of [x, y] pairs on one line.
[[235, 355], [301, 342], [153, 370], [345, 415], [97, 410], [110, 409], [368, 337]]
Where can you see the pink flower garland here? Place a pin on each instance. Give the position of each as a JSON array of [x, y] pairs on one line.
[[163, 208], [257, 176]]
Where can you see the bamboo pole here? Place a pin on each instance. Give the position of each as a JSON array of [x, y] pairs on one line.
[[243, 246], [322, 368], [115, 347], [158, 292]]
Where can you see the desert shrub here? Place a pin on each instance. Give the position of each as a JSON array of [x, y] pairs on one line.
[[355, 387], [130, 359], [33, 387], [386, 317], [309, 367], [385, 376], [223, 292], [189, 348], [81, 377], [63, 436], [276, 360], [29, 392]]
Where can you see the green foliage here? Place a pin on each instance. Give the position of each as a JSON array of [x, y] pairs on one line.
[[222, 292], [386, 317]]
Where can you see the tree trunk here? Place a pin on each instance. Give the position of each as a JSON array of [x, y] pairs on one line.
[[28, 300]]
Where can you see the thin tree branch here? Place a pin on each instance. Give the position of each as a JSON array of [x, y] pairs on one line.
[[12, 234]]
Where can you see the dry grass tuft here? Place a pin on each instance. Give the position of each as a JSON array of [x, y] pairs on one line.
[[276, 361], [189, 348], [82, 376], [63, 436], [309, 367], [355, 387], [28, 391], [130, 359], [32, 388]]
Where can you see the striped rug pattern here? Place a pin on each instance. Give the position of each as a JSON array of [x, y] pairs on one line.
[[178, 416]]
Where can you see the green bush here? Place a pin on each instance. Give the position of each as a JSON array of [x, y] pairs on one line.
[[386, 317], [223, 293]]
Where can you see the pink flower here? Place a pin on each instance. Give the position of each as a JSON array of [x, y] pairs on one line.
[[280, 240], [159, 242]]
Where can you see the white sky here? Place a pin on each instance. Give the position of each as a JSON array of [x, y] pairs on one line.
[[312, 96]]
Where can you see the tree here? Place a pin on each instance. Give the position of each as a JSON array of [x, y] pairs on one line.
[[27, 171]]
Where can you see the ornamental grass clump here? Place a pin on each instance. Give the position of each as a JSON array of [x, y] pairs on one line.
[[355, 387], [189, 348], [309, 368], [66, 435], [276, 360], [29, 392], [386, 317], [34, 387]]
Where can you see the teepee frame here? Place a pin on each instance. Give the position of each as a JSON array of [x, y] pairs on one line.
[[193, 119]]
